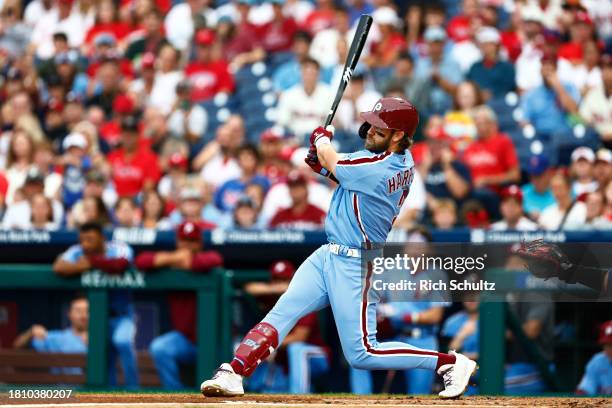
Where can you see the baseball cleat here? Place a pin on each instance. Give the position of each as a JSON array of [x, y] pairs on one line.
[[456, 376], [224, 383]]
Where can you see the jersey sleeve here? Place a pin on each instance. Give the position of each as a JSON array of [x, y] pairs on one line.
[[589, 380], [120, 250], [360, 171], [72, 254]]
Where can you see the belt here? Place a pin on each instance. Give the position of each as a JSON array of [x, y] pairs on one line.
[[342, 250]]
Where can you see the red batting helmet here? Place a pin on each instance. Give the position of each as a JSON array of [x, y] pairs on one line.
[[393, 113]]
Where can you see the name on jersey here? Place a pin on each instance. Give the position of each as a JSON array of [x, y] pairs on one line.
[[401, 181]]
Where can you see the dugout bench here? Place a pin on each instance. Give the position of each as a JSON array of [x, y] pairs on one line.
[[213, 292]]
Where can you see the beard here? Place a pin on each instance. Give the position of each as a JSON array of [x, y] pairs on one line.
[[377, 147]]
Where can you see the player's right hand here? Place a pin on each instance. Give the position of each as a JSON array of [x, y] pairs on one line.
[[39, 332], [320, 134]]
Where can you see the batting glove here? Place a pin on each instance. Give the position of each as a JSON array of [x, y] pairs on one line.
[[313, 161], [321, 136]]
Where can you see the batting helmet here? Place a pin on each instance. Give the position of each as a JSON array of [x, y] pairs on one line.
[[391, 113], [605, 333]]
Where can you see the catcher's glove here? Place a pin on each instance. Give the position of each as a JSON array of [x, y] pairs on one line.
[[546, 260]]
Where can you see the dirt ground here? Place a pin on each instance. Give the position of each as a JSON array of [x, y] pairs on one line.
[[163, 400]]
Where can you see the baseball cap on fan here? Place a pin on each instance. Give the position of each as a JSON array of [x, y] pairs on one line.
[[583, 153], [605, 333], [435, 33], [512, 191], [282, 270], [189, 231], [74, 140], [488, 35]]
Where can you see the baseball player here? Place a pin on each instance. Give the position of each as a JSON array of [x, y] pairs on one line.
[[373, 184], [597, 379]]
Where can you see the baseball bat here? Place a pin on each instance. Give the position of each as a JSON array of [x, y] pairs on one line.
[[361, 34]]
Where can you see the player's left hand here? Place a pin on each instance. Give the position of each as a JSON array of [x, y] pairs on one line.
[[313, 162]]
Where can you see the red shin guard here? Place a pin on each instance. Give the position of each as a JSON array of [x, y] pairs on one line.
[[256, 346]]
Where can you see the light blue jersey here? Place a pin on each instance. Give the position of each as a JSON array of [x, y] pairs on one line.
[[120, 299], [368, 199], [61, 341], [452, 327], [597, 379]]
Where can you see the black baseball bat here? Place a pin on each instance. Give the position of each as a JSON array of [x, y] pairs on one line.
[[354, 52]]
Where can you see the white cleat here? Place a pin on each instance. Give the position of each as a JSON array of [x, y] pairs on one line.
[[456, 376], [225, 383]]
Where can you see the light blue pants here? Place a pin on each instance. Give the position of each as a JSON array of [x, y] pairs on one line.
[[123, 336], [523, 379], [167, 351], [326, 279], [417, 381]]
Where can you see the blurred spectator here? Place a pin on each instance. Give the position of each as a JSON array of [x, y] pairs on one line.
[[444, 214], [72, 339], [105, 86], [167, 77], [404, 78], [75, 163], [195, 204], [511, 209], [301, 215], [62, 18], [597, 379], [278, 34], [112, 258], [249, 161], [596, 107], [459, 122], [595, 204], [602, 170], [217, 162], [36, 10], [183, 20], [358, 7], [270, 147], [15, 34], [126, 213], [303, 107], [90, 209], [187, 120], [567, 213], [494, 76], [245, 214], [19, 160], [607, 212], [303, 354], [491, 158], [19, 214], [546, 107], [357, 98], [106, 23], [288, 74], [390, 43], [153, 212], [240, 38], [324, 46], [321, 17], [175, 178], [207, 74], [583, 160], [439, 69], [528, 62], [414, 205], [474, 215], [443, 174], [459, 27], [41, 208], [151, 39], [537, 194], [134, 168], [178, 346]]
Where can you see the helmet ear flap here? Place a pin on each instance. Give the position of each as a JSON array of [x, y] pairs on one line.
[[363, 129]]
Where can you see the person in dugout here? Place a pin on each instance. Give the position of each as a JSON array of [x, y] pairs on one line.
[[302, 354], [597, 378], [178, 346], [113, 258]]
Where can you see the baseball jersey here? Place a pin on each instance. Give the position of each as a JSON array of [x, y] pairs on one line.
[[597, 377], [120, 300], [368, 199], [452, 327], [61, 341]]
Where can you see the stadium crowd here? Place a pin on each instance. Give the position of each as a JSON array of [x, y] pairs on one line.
[[142, 113]]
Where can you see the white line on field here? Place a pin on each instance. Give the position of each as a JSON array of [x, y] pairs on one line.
[[236, 403]]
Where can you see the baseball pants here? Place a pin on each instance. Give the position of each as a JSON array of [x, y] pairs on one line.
[[326, 279]]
